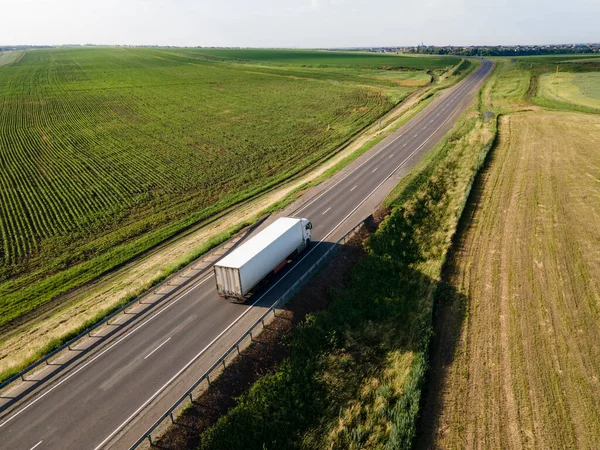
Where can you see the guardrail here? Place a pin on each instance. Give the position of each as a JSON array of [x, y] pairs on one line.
[[79, 336], [106, 320], [287, 295]]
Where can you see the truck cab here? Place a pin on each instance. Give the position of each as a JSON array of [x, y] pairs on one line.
[[306, 227]]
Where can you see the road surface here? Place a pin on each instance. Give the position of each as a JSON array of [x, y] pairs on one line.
[[109, 397]]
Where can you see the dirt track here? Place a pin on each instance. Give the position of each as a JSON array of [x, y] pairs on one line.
[[516, 360]]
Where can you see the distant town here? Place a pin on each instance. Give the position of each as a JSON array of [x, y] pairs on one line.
[[493, 50]]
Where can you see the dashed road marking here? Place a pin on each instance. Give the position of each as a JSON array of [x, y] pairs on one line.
[[145, 357], [99, 355]]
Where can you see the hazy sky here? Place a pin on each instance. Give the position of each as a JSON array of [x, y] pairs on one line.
[[299, 23]]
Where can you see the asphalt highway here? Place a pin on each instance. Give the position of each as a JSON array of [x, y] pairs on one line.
[[89, 405]]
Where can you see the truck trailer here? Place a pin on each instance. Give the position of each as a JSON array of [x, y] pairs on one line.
[[238, 273]]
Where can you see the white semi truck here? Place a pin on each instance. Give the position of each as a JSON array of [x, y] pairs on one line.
[[266, 253]]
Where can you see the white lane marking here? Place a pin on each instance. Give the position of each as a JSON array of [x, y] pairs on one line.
[[149, 354], [425, 127], [325, 212], [118, 341], [36, 445], [353, 188], [431, 121], [375, 169], [271, 288], [391, 156], [410, 127], [416, 135]]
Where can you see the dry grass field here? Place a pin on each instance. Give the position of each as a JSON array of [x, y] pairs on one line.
[[524, 367]]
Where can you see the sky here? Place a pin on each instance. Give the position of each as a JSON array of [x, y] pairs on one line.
[[298, 23]]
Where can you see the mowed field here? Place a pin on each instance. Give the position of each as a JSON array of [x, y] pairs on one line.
[[581, 89], [9, 57], [106, 152], [525, 369]]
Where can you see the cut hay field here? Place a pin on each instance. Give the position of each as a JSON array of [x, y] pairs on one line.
[[523, 371], [107, 152], [582, 89]]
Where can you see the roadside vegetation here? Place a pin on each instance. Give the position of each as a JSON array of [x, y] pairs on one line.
[[48, 327], [355, 374], [514, 359], [107, 152]]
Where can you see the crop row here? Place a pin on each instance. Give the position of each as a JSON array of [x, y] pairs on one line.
[[100, 148]]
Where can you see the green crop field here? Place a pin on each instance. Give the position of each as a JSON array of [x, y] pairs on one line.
[[107, 152], [328, 58], [557, 59]]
